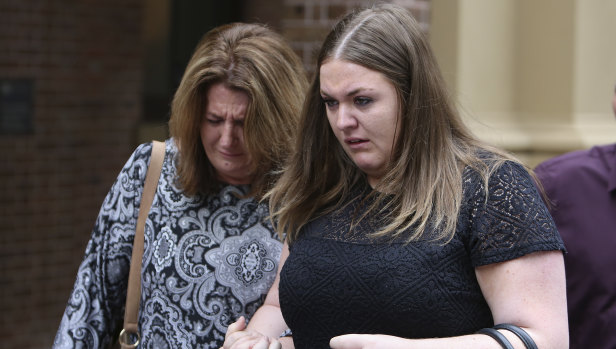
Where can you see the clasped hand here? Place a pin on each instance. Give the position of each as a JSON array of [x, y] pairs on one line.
[[238, 337]]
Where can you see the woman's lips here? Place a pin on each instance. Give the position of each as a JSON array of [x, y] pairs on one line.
[[355, 142], [230, 155]]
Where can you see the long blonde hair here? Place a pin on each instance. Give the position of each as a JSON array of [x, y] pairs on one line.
[[254, 59], [432, 150]]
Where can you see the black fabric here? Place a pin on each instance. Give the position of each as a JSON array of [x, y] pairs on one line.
[[337, 281]]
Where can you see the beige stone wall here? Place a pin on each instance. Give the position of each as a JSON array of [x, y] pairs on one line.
[[533, 76]]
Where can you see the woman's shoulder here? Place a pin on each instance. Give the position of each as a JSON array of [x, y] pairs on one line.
[[143, 152], [511, 170], [135, 168], [497, 175], [495, 167]]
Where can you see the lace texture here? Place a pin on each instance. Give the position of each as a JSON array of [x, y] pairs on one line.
[[337, 281]]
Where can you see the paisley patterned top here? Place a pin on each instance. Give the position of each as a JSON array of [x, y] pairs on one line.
[[336, 281], [207, 261]]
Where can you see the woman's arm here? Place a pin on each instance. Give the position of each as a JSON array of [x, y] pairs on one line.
[[94, 310], [266, 325], [528, 292]]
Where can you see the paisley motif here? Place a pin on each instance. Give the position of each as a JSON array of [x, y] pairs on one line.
[[164, 248], [246, 263], [207, 261], [190, 263], [162, 324]]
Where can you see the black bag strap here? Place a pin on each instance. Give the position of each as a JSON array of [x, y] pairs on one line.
[[499, 337], [523, 335]]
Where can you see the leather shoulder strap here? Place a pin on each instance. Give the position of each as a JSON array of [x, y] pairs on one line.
[[133, 293]]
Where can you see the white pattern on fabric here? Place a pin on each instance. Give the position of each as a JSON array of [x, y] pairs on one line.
[[243, 263], [207, 261]]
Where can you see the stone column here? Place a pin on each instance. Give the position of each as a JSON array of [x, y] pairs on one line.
[[535, 77]]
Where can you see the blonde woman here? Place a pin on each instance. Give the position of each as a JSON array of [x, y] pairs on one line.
[[402, 229]]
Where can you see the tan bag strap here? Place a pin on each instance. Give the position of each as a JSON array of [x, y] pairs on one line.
[[129, 337]]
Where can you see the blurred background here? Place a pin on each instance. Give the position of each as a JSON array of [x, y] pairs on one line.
[[82, 83]]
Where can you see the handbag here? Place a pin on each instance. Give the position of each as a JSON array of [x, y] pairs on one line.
[[129, 336]]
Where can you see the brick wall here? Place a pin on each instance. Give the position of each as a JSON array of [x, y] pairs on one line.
[[306, 22], [83, 59]]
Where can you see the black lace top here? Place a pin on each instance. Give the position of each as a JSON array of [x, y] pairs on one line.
[[337, 282]]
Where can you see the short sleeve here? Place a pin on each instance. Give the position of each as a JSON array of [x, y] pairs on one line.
[[513, 221]]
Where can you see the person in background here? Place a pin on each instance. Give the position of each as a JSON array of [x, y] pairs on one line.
[[233, 119], [581, 191], [402, 229]]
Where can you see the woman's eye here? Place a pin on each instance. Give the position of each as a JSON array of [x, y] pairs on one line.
[[361, 101], [214, 121], [330, 103]]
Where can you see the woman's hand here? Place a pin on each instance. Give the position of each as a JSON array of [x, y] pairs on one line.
[[238, 337]]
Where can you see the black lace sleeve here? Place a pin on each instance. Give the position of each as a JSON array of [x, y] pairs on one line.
[[513, 221]]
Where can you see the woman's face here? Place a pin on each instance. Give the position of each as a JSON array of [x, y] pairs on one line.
[[222, 134], [362, 109]]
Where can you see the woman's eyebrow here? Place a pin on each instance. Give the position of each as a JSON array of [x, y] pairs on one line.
[[350, 93]]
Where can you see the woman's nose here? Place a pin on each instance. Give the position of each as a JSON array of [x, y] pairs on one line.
[[227, 137], [345, 119]]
